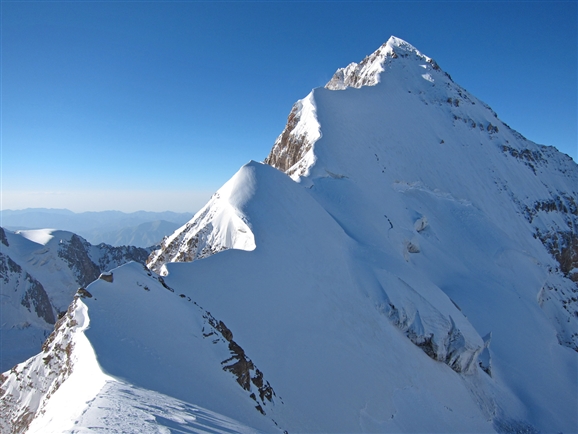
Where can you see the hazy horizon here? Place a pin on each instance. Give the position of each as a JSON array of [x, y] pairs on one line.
[[154, 105]]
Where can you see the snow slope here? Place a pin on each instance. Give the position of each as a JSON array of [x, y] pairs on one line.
[[66, 391], [416, 272], [40, 271]]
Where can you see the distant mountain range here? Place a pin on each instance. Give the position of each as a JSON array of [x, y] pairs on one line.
[[140, 229]]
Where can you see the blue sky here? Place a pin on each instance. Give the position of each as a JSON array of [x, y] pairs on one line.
[[154, 105]]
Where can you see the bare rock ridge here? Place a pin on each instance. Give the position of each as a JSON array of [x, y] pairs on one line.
[[292, 145]]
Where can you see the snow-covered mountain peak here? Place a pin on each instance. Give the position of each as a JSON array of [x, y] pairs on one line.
[[405, 80], [368, 72], [421, 274], [394, 41]]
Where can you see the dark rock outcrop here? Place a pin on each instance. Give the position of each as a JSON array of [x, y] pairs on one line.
[[75, 253], [35, 299]]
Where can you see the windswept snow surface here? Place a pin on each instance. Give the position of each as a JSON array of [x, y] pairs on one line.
[[121, 407], [414, 279], [39, 236]]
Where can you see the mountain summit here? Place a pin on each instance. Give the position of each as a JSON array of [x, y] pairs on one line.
[[403, 262]]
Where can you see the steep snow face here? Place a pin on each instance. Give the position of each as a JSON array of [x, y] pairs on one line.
[[307, 325], [487, 215], [220, 225]]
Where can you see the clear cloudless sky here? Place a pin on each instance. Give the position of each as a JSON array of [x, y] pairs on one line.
[[153, 105]]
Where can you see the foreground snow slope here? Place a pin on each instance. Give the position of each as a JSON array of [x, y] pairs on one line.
[[420, 275], [63, 389]]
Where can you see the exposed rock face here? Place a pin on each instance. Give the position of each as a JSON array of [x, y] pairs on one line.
[[31, 292], [291, 146], [240, 365], [7, 267], [35, 298], [292, 152], [3, 238], [75, 253], [79, 254], [88, 261]]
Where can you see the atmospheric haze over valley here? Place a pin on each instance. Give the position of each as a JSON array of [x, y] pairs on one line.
[[401, 261]]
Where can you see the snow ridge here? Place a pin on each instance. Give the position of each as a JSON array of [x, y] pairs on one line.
[[29, 390], [218, 226]]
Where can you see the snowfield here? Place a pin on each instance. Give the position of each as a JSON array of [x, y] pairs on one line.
[[404, 262]]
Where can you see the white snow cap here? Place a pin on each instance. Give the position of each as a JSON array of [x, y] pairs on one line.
[[368, 71]]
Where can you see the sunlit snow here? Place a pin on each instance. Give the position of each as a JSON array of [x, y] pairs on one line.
[[400, 285]]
